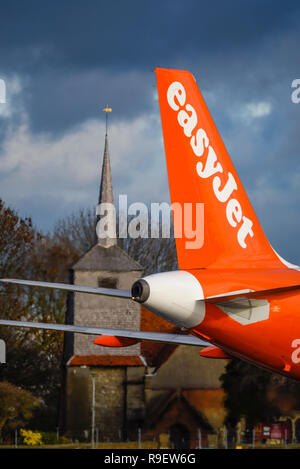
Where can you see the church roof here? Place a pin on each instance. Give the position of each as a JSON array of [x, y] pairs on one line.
[[106, 196], [111, 258], [156, 353], [106, 254], [176, 399], [105, 360]]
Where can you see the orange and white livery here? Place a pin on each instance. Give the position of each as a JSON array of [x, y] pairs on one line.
[[234, 294]]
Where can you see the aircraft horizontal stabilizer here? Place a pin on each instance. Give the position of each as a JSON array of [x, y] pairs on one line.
[[140, 335], [113, 292], [75, 288]]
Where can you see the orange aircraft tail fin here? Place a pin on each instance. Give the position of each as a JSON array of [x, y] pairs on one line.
[[217, 212]]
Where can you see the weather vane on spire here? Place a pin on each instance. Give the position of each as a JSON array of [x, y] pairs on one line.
[[106, 110]]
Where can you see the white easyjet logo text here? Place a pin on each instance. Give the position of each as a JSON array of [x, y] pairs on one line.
[[199, 141]]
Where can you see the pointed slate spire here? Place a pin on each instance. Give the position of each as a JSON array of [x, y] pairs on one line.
[[106, 237]]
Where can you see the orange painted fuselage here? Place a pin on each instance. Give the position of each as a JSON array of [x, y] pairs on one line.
[[270, 343]]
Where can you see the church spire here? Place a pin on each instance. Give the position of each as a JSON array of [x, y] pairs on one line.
[[106, 196]]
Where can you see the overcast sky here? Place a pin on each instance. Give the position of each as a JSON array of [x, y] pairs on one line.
[[63, 61]]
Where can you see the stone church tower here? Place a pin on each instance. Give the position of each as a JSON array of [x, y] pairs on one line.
[[116, 407], [148, 389]]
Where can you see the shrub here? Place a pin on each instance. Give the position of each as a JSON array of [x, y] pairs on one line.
[[31, 438], [65, 440], [49, 438]]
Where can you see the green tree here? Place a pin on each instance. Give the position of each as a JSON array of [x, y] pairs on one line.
[[246, 387], [17, 238], [16, 407], [33, 356]]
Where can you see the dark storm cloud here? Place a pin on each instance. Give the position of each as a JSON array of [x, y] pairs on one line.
[[73, 51], [58, 101], [117, 33], [73, 57]]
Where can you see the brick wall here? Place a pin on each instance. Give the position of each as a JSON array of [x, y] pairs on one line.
[[119, 401], [96, 310]]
